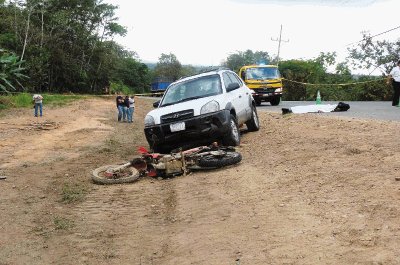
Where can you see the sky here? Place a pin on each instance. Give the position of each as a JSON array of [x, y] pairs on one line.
[[206, 32]]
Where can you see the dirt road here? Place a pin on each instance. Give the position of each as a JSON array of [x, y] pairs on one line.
[[311, 189]]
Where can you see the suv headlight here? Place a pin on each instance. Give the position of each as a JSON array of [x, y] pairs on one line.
[[148, 121], [278, 90], [211, 106]]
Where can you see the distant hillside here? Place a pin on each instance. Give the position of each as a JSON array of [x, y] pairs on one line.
[[152, 65]]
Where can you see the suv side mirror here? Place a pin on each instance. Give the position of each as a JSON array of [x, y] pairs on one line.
[[155, 104], [232, 86]]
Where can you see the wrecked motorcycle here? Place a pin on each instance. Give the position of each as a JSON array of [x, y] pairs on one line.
[[167, 165]]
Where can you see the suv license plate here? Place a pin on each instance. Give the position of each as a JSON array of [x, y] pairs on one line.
[[175, 127]]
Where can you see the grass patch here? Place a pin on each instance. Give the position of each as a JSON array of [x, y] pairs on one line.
[[24, 100], [61, 223], [105, 150], [61, 100], [73, 192], [112, 143]]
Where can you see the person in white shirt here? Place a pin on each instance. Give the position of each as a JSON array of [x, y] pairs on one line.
[[394, 77], [131, 108], [38, 100]]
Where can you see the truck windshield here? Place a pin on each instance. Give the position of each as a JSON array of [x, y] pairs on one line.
[[261, 73], [192, 89]]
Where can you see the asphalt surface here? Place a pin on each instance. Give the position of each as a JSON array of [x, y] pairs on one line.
[[378, 110]]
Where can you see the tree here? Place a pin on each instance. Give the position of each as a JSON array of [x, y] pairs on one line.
[[303, 72], [300, 72], [168, 67], [188, 70], [372, 55], [67, 45], [236, 60], [133, 74]]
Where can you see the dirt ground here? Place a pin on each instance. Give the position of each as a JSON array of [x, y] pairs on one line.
[[310, 189]]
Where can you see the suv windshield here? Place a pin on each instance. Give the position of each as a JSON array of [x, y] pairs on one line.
[[260, 73], [192, 89]]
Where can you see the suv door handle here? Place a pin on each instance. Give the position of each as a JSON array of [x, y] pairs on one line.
[[240, 96]]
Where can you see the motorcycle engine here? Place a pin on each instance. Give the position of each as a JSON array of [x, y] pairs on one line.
[[173, 166]]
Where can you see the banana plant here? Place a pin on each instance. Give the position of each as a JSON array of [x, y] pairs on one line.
[[10, 71]]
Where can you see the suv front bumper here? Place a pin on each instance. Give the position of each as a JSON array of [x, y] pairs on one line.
[[262, 96], [203, 128]]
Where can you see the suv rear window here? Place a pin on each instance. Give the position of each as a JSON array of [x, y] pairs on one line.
[[201, 87]]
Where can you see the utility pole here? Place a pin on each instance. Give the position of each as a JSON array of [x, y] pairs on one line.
[[279, 45]]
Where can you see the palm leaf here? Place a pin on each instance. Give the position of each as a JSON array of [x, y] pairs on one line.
[[7, 83], [4, 88]]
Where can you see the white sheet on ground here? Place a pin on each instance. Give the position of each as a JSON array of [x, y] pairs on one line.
[[313, 108]]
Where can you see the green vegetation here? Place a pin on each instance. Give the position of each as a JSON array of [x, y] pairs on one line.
[[10, 70], [236, 60], [62, 223], [311, 75], [24, 100], [60, 100], [73, 192], [65, 46], [69, 47], [303, 78], [169, 68]]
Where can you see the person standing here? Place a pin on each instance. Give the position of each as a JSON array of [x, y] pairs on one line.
[[120, 106], [394, 77], [126, 109], [38, 100], [131, 108]]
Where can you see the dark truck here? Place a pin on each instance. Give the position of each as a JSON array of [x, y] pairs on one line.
[[159, 85]]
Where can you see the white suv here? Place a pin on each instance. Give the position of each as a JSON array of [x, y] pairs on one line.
[[200, 109]]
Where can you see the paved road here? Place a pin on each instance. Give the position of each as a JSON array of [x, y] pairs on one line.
[[379, 110]]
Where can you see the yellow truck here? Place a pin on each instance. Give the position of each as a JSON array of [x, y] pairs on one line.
[[265, 81]]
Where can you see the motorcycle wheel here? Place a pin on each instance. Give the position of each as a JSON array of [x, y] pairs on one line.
[[127, 175], [212, 161]]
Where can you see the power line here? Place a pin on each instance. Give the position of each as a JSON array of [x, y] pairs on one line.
[[374, 35]]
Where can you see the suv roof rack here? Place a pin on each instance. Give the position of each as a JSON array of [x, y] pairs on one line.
[[212, 69], [206, 70]]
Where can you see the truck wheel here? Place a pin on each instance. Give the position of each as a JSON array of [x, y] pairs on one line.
[[275, 101], [233, 135], [253, 124]]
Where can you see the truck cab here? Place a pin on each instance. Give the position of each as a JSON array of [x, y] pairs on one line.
[[265, 81]]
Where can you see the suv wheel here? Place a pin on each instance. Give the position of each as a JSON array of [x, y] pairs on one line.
[[157, 148], [253, 124], [233, 136]]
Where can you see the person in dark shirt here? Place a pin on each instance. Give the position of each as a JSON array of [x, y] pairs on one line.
[[120, 106], [125, 109], [394, 78]]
